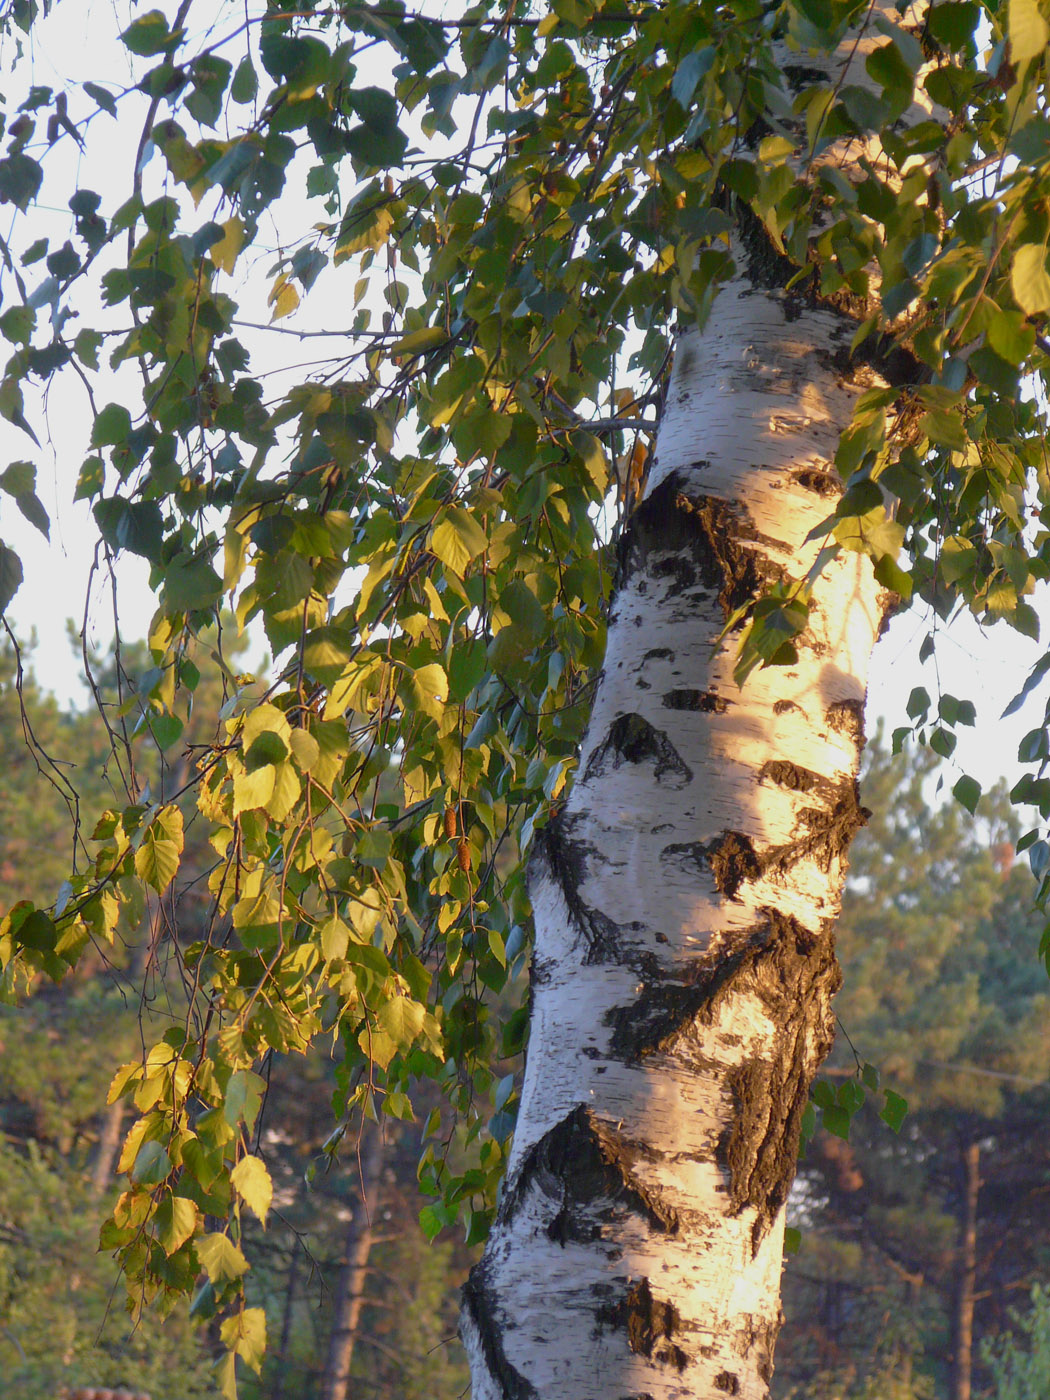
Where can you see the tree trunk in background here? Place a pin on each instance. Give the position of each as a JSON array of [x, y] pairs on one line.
[[684, 904], [962, 1363], [350, 1289], [287, 1311]]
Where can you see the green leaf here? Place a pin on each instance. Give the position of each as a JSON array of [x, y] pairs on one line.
[[20, 180], [245, 83], [149, 35], [152, 1165], [221, 1259], [10, 575], [457, 539], [133, 525], [894, 1110], [402, 1020], [335, 939], [243, 1100], [157, 859], [967, 791], [245, 1335], [836, 1120], [426, 689], [11, 406], [252, 790], [175, 1222], [251, 1180], [112, 426], [103, 98], [190, 585], [373, 847]]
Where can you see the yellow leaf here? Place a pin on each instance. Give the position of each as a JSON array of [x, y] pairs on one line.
[[283, 298], [1029, 280], [1028, 30], [252, 1183], [225, 253], [417, 341]]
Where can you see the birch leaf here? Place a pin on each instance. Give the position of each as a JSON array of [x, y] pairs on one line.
[[1028, 31], [252, 1183], [1029, 280]]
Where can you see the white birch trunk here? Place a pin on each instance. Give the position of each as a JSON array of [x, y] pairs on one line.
[[684, 903]]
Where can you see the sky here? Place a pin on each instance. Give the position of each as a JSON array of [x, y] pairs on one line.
[[985, 666]]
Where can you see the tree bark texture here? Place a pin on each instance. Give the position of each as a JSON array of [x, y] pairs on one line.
[[684, 903], [966, 1278], [350, 1291]]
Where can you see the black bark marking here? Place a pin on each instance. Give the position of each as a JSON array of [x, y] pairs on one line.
[[781, 707], [479, 1302], [651, 1326], [733, 860], [696, 540], [826, 831], [566, 861], [663, 1011], [727, 1383], [632, 739], [769, 268], [658, 654], [704, 700], [823, 483], [694, 853], [588, 1168]]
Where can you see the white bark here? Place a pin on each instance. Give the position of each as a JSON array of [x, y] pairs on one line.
[[684, 902]]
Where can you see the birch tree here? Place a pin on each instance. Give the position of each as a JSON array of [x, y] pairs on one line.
[[503, 228]]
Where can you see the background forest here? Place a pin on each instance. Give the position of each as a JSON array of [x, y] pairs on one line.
[[922, 1251]]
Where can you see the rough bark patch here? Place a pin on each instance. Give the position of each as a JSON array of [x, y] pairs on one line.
[[847, 716], [588, 1168], [650, 1324], [733, 860], [480, 1304], [696, 540], [790, 775], [759, 1338], [632, 739], [796, 976], [727, 1383], [822, 483], [704, 700]]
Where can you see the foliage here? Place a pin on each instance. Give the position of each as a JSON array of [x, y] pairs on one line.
[[1021, 1369], [512, 219]]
